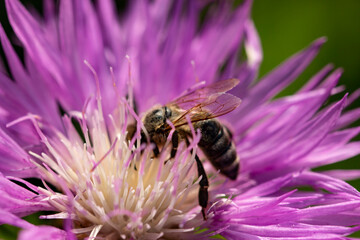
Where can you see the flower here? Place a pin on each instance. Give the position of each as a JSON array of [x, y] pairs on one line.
[[65, 117]]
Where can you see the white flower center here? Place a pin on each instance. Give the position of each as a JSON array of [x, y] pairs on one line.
[[109, 187]]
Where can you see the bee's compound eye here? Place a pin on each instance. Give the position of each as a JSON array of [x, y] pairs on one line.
[[156, 116], [156, 112], [167, 112]]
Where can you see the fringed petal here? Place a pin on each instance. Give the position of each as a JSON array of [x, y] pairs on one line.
[[20, 201], [43, 233]]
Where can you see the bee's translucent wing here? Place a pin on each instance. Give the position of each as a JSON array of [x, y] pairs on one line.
[[194, 96], [207, 102]]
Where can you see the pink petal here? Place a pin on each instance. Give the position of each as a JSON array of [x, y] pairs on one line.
[[42, 233], [20, 201]]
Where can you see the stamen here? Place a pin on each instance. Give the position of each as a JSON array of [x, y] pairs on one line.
[[84, 128], [47, 187], [21, 119], [95, 232], [98, 93], [29, 185], [139, 125], [106, 154], [132, 192], [195, 72], [130, 84]]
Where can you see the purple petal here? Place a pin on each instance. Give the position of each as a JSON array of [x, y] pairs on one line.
[[293, 111], [268, 187], [174, 54], [278, 141], [43, 233], [11, 219], [281, 154], [67, 29], [345, 174], [217, 35], [353, 96], [14, 161], [27, 95], [269, 214], [29, 32], [325, 157], [111, 29], [20, 201], [293, 230], [320, 181], [274, 82], [348, 118], [317, 79], [247, 71], [252, 46]]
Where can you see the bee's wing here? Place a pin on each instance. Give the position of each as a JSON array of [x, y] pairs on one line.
[[207, 102], [194, 96]]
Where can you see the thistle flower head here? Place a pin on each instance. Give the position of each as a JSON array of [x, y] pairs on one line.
[[109, 187], [88, 77]]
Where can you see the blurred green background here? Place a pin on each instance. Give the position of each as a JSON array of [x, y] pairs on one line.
[[286, 27]]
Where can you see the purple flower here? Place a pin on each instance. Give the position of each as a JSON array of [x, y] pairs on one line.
[[64, 114]]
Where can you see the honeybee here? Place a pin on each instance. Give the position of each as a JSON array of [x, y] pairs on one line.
[[201, 106]]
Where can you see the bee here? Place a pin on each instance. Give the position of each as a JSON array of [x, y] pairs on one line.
[[199, 106]]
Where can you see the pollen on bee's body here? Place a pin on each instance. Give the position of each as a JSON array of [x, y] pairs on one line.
[[110, 186]]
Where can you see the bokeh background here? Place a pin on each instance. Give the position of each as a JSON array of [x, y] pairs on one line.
[[286, 27]]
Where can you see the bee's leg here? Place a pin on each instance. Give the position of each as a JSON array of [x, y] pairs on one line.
[[204, 185], [131, 129], [144, 139], [156, 150], [134, 103], [175, 144]]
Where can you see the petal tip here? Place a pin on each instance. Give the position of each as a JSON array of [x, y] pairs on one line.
[[339, 71], [320, 41]]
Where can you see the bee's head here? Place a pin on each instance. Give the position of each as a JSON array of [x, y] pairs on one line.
[[156, 119]]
